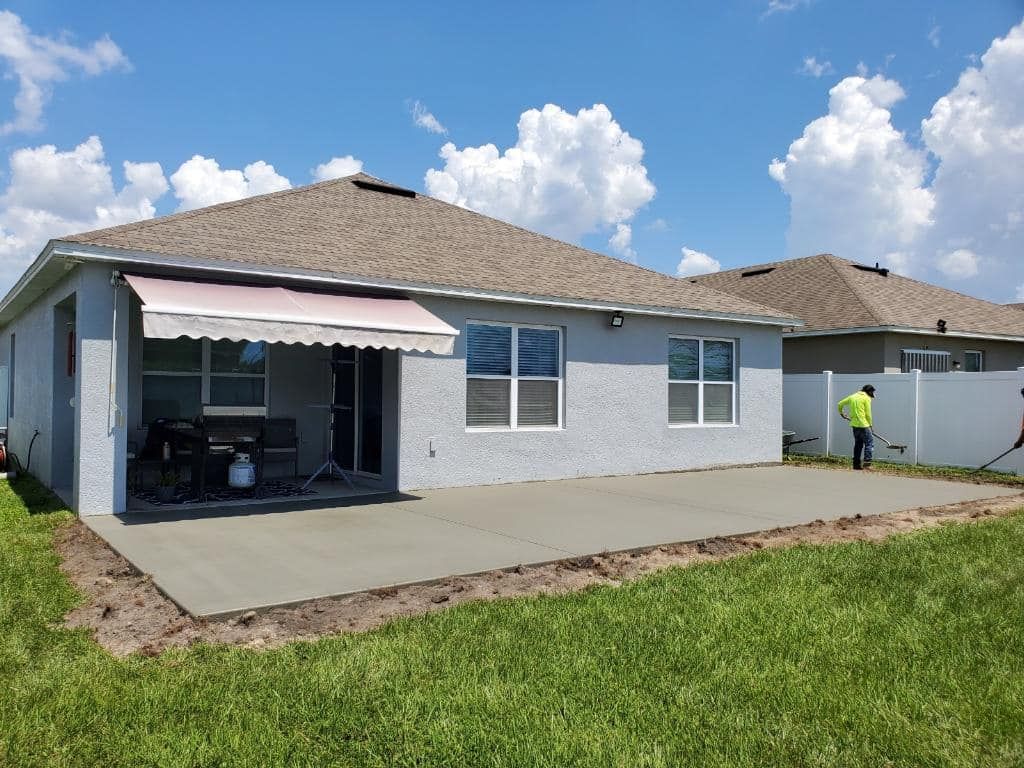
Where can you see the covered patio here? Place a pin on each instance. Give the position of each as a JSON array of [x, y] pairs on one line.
[[243, 394], [220, 562]]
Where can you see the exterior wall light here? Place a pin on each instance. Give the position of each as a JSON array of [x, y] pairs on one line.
[[617, 320]]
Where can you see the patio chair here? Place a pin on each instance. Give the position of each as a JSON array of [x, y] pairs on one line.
[[280, 443]]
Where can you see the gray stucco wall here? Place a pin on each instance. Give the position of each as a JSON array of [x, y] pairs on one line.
[[847, 353], [33, 385], [98, 438], [880, 352], [999, 355], [616, 403]]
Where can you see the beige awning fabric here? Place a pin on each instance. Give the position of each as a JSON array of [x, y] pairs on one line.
[[173, 308]]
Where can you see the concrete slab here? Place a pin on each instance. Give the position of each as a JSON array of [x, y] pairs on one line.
[[223, 561]]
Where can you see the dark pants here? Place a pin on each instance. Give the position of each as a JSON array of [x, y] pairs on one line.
[[863, 442]]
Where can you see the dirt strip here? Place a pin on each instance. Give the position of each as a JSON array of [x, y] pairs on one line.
[[127, 614]]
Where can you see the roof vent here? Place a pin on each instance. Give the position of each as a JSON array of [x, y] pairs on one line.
[[387, 190], [876, 269], [752, 272]]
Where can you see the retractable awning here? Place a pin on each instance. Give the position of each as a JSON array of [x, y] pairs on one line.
[[173, 308]]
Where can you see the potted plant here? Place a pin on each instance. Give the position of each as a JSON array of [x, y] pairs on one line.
[[166, 485]]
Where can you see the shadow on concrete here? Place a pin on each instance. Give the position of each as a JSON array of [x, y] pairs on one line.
[[176, 513]]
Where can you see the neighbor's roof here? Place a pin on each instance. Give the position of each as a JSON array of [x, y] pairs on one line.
[[829, 293], [339, 228]]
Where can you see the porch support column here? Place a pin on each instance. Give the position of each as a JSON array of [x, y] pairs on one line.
[[101, 393]]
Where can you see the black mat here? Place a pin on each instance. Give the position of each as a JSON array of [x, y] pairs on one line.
[[183, 494]]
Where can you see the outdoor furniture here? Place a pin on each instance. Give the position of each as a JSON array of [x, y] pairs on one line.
[[218, 436], [280, 444]]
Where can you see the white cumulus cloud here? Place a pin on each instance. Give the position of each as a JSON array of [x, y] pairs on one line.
[[337, 167], [201, 181], [976, 132], [37, 62], [53, 193], [814, 68], [425, 119], [854, 182], [696, 263], [566, 175], [859, 188], [961, 263], [621, 242]]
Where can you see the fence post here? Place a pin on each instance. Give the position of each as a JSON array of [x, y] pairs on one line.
[[915, 452], [1020, 454], [827, 380]]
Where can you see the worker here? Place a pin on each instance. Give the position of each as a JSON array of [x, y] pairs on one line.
[[859, 404]]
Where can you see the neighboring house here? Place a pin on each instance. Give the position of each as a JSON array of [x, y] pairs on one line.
[[469, 351], [866, 319]]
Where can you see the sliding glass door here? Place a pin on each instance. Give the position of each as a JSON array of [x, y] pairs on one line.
[[358, 393]]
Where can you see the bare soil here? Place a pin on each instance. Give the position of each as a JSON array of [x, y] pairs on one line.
[[128, 614]]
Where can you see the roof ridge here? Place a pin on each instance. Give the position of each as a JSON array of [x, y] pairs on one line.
[[834, 261], [217, 207], [763, 265]]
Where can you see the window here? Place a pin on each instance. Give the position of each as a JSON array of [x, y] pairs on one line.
[[701, 381], [974, 361], [513, 376], [182, 375], [924, 360]]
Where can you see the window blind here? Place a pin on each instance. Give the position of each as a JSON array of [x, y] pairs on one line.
[[538, 352], [489, 350], [488, 402]]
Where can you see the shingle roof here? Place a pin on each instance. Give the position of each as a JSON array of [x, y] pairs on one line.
[[339, 227], [831, 293]]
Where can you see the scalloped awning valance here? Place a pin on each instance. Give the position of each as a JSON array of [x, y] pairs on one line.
[[173, 307]]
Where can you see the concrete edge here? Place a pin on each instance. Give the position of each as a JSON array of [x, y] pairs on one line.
[[232, 613]]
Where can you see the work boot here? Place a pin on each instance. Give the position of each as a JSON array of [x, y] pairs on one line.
[[867, 465], [856, 465]]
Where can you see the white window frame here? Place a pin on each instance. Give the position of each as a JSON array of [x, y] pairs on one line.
[[700, 382], [514, 379], [205, 374], [981, 359]]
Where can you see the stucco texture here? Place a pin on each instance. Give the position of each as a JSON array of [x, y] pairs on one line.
[[615, 408]]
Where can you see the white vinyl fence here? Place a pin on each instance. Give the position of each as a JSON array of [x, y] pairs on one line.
[[954, 419]]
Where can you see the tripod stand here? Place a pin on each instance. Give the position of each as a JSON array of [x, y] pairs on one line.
[[330, 466]]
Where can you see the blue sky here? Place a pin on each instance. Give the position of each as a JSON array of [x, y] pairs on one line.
[[713, 91]]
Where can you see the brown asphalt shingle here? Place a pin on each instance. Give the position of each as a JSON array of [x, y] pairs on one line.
[[831, 293], [338, 228]]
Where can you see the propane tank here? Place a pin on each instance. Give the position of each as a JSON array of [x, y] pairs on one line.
[[242, 472]]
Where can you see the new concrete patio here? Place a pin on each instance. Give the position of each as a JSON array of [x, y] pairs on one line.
[[216, 562]]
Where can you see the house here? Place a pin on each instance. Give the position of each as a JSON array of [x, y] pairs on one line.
[[450, 349], [866, 319]]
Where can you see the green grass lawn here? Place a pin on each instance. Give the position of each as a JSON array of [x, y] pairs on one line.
[[909, 652]]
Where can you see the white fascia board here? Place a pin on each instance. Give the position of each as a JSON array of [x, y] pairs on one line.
[[902, 329], [42, 260], [85, 252]]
